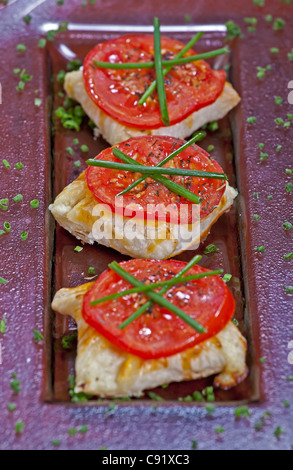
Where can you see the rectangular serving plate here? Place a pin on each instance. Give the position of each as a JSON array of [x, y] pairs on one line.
[[70, 269]]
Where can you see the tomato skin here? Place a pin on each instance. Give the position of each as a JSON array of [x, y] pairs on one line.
[[189, 87], [105, 184], [158, 333]]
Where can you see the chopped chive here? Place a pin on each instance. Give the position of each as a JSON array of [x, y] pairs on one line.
[[233, 30], [78, 249], [287, 124], [290, 116], [56, 443], [77, 164], [287, 225], [210, 408], [286, 404], [242, 412], [213, 126], [210, 148], [21, 47], [42, 43], [4, 204], [274, 50], [6, 164], [290, 55], [34, 204], [73, 64], [7, 226], [84, 148], [261, 145], [15, 384], [155, 396], [278, 431], [18, 198], [210, 249], [27, 19], [289, 188], [61, 76], [19, 427], [263, 156], [270, 196], [252, 119], [219, 429], [159, 73], [259, 3], [269, 18], [23, 236], [91, 271], [38, 102], [288, 256], [3, 281], [278, 100], [70, 150], [3, 325], [11, 406], [278, 148], [260, 249], [279, 24], [37, 336], [256, 217], [75, 141], [2, 232], [289, 171], [19, 166], [279, 121]]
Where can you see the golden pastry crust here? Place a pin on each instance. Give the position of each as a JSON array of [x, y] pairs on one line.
[[104, 370], [74, 209]]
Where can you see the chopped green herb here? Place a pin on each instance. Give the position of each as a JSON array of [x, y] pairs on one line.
[[75, 141], [278, 431], [82, 429], [21, 47], [210, 249], [210, 148], [27, 19], [15, 384], [91, 271], [227, 277], [279, 121], [290, 117], [256, 217], [23, 236], [4, 204], [252, 21], [68, 341], [3, 281], [19, 427], [252, 119], [288, 171], [42, 43], [288, 289], [34, 204], [289, 187], [77, 164], [213, 126], [18, 198], [210, 408], [242, 412], [269, 18], [286, 404], [3, 326], [255, 195], [262, 360], [61, 76], [274, 50], [279, 24], [38, 102], [233, 30], [11, 406], [37, 335], [287, 225], [287, 124], [263, 156], [84, 148], [72, 431], [270, 196], [219, 429], [260, 249], [70, 150], [56, 443], [19, 166], [78, 249], [60, 2], [261, 145], [155, 396], [6, 164], [288, 256], [79, 397], [74, 64], [2, 232], [279, 147], [236, 322], [290, 55], [278, 100], [197, 396], [260, 3], [194, 444]]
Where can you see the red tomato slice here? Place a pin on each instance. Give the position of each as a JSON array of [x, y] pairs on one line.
[[189, 87], [158, 332], [105, 183]]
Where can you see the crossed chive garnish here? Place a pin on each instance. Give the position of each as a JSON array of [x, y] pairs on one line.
[[157, 297]]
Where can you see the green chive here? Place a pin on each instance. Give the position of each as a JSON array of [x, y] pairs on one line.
[[274, 50], [150, 287], [3, 281], [279, 24], [27, 19], [288, 256], [210, 249], [279, 147], [23, 236], [84, 148], [269, 18], [18, 198], [149, 170], [153, 86], [148, 304], [287, 225], [6, 164], [279, 121], [233, 30], [70, 150], [176, 188], [3, 326], [256, 217], [21, 47], [278, 100], [289, 187], [7, 226], [77, 164], [37, 336], [19, 166], [213, 126], [157, 298], [38, 102], [91, 271], [227, 277], [252, 120], [4, 204], [159, 73], [42, 43], [78, 249], [34, 204], [11, 406], [242, 412], [263, 156], [196, 137], [19, 427], [260, 249]]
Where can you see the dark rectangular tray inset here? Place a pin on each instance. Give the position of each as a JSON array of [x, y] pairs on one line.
[[70, 268]]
